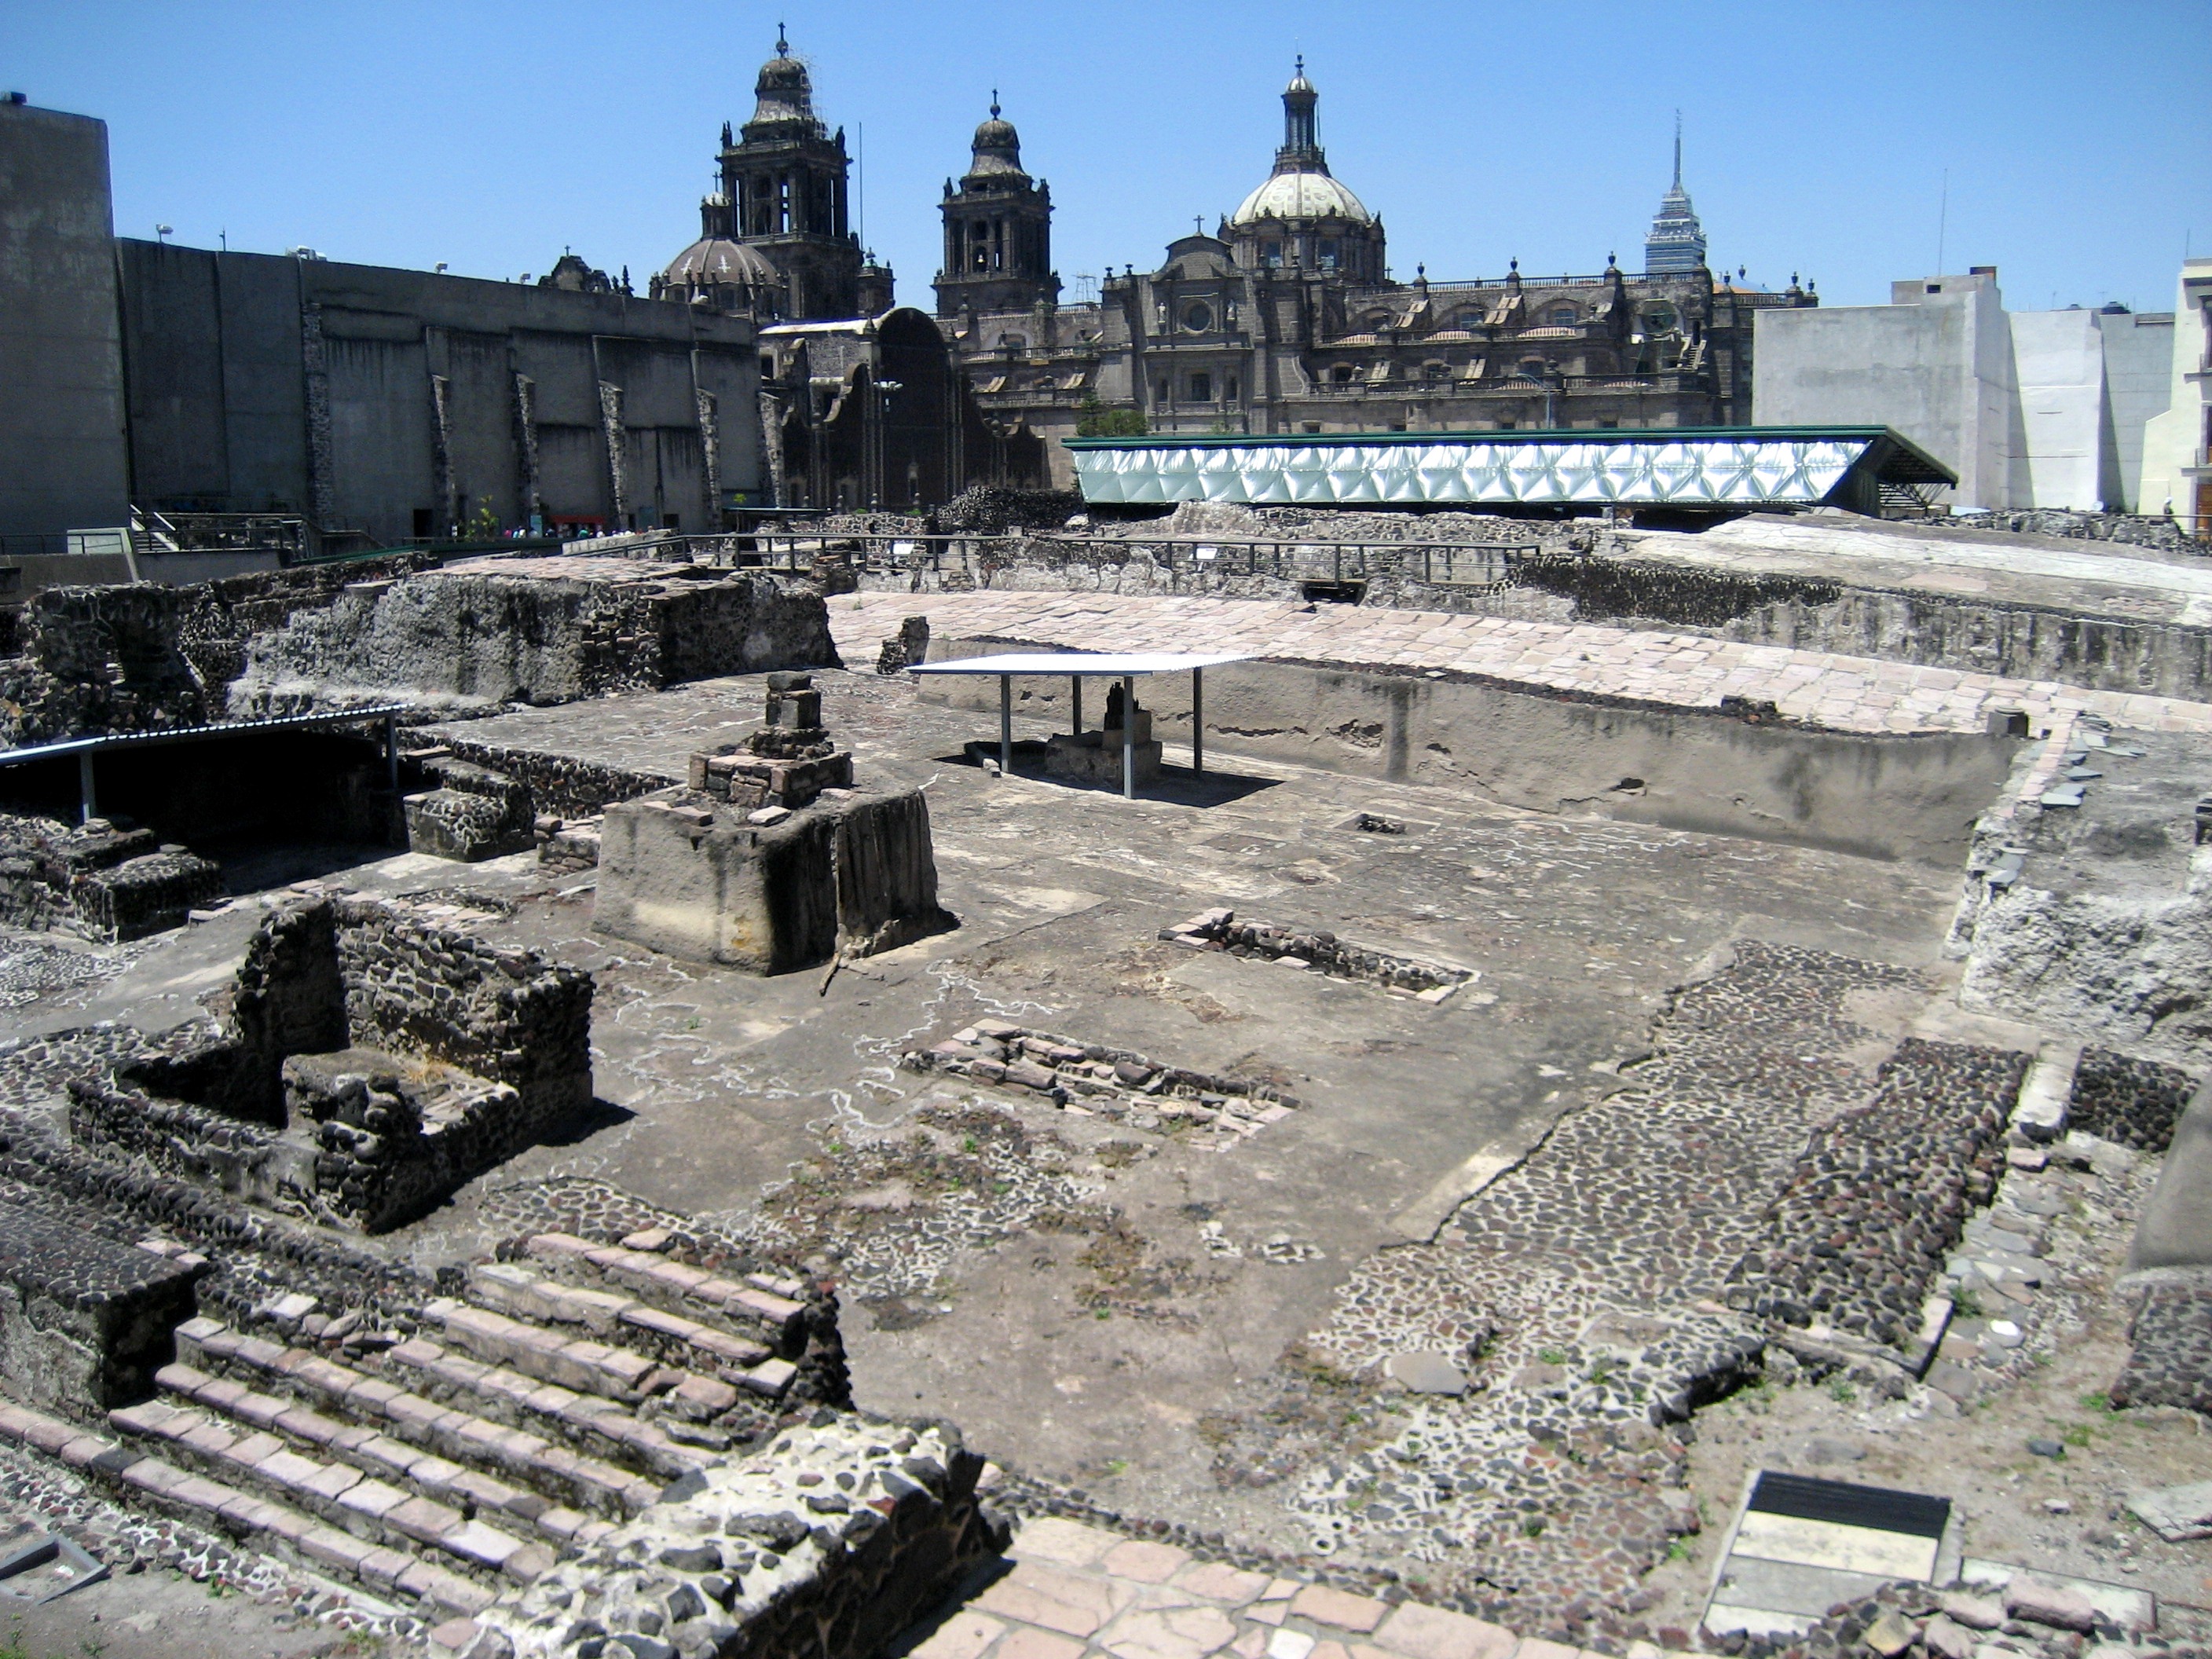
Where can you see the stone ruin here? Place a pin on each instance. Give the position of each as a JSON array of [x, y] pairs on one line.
[[768, 858], [104, 880], [371, 1063], [1098, 757], [84, 1321]]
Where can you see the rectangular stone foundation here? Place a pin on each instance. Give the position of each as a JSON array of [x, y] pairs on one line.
[[85, 1323], [852, 874]]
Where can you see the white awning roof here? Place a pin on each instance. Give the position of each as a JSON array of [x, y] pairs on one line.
[[1130, 663]]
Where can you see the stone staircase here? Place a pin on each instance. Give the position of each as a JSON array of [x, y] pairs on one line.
[[549, 1403]]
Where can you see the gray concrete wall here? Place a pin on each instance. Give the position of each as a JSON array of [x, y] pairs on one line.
[[2138, 385], [1919, 367], [64, 463], [1905, 797], [220, 385]]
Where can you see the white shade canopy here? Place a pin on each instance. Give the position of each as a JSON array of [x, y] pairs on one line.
[[1130, 663]]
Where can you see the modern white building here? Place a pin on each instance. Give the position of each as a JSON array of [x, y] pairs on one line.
[[2031, 408], [2177, 459]]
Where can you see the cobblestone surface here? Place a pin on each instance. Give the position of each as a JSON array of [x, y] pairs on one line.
[[1577, 1293], [2171, 1361], [1845, 694], [2133, 1103]]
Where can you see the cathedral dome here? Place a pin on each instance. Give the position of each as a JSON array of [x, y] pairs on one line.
[[997, 149], [783, 94], [729, 271], [1301, 195]]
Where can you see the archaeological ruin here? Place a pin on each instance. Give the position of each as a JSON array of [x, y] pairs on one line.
[[1276, 964]]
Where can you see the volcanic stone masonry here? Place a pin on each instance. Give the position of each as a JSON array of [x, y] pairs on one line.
[[108, 883], [373, 1063], [85, 1323], [769, 859]]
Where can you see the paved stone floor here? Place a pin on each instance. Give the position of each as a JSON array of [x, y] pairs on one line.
[[1845, 694]]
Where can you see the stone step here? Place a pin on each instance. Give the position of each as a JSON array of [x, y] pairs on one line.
[[759, 1305], [523, 1292], [277, 1528], [612, 1370], [231, 1367], [598, 1426], [388, 1516]]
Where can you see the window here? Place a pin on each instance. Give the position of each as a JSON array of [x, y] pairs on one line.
[[1608, 426], [1660, 319], [1562, 316], [1533, 366], [1229, 391], [1507, 426], [1328, 253], [1271, 254], [1310, 426], [1165, 395], [1202, 388], [671, 522], [1198, 316], [1013, 342], [1343, 373], [1436, 371], [421, 524]]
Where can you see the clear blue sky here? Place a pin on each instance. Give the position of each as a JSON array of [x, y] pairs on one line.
[[2078, 136]]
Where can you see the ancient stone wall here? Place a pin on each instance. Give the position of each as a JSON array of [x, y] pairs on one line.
[[510, 1017], [560, 783], [84, 1324], [474, 637], [109, 884]]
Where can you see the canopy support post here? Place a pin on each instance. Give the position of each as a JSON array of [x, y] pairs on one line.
[[1006, 725], [1075, 691], [88, 799], [1129, 737], [1198, 721]]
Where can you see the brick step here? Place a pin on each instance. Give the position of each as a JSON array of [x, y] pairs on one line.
[[399, 1516], [230, 1367], [611, 1370], [503, 1395], [277, 1528], [768, 1310], [522, 1292]]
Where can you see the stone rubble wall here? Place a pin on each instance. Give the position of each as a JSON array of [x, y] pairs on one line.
[[559, 784], [83, 661], [108, 883], [85, 1323], [1317, 949], [831, 1540], [1094, 1079], [470, 639]]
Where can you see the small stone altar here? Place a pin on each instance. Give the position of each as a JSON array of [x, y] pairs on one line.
[[768, 859], [1097, 756]]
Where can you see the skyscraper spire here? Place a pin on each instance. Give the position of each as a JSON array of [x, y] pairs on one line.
[[1677, 241]]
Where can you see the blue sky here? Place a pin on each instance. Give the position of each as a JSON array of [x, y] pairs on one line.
[[2077, 137]]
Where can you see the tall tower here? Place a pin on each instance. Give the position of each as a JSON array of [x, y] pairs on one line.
[[1677, 241], [1301, 218], [784, 185], [997, 230]]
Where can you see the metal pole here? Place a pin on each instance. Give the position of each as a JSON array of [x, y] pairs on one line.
[[1075, 687], [88, 799], [1198, 721], [1128, 738], [1006, 725], [391, 755]]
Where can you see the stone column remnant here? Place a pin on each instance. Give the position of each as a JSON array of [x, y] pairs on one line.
[[611, 419], [530, 501]]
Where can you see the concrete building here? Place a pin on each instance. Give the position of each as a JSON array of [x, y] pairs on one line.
[[63, 466], [2177, 451], [394, 405], [1287, 319], [2035, 409]]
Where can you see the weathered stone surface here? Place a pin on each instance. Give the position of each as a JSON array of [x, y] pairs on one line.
[[84, 1324]]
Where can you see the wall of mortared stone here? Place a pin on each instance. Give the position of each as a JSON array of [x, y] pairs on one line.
[[84, 1323], [560, 784], [508, 1016], [1886, 796]]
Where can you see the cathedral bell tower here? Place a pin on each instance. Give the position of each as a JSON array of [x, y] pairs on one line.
[[997, 230], [783, 188]]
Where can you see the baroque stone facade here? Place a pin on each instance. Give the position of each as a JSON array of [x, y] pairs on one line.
[[1287, 319]]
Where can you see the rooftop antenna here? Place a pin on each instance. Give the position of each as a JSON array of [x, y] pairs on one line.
[[1943, 221], [860, 188], [1678, 149]]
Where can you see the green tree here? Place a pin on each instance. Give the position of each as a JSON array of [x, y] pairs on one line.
[[1094, 420]]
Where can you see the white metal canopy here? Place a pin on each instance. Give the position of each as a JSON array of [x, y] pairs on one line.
[[1093, 663], [1124, 666]]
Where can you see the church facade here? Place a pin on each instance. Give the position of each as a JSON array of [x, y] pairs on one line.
[[1286, 320]]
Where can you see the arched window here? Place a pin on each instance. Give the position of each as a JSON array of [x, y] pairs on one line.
[[1013, 342], [1436, 371], [1563, 315], [1343, 373]]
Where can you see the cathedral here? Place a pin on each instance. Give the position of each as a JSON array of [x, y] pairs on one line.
[[1286, 319]]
